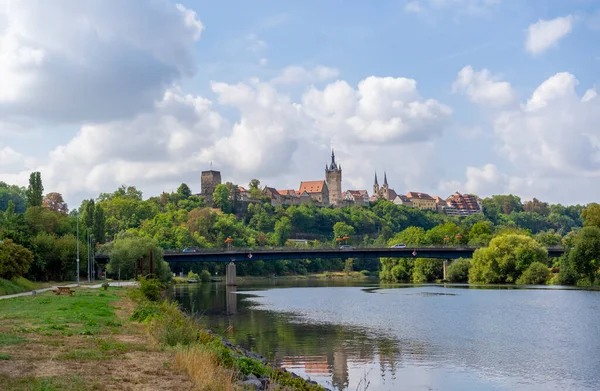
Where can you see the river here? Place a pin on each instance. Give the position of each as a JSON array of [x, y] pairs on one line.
[[350, 335]]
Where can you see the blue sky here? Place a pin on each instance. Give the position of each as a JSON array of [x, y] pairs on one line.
[[148, 93]]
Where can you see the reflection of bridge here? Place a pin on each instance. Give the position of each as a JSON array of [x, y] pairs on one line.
[[250, 255]]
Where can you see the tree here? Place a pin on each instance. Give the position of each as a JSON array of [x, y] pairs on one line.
[[88, 214], [537, 206], [536, 274], [14, 194], [254, 187], [14, 259], [54, 201], [458, 271], [591, 215], [99, 227], [427, 270], [283, 229], [341, 229], [35, 190], [506, 258], [585, 256], [183, 191], [221, 198]]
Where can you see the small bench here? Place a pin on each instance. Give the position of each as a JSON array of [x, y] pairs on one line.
[[63, 289]]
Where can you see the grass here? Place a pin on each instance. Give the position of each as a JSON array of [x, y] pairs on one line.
[[48, 335], [202, 366], [17, 285], [11, 339], [54, 383]]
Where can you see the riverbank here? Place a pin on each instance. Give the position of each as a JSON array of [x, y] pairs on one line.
[[117, 340], [311, 276]]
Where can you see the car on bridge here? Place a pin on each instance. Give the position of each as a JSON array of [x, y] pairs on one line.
[[191, 250], [346, 247], [399, 245]]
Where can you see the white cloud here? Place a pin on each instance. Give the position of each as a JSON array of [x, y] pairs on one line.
[[471, 7], [483, 88], [91, 60], [545, 34], [254, 44], [589, 95], [413, 6], [297, 74], [381, 110]]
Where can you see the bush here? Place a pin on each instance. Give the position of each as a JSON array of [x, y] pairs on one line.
[[193, 276], [172, 327], [458, 271], [567, 274], [145, 311], [14, 259], [205, 276], [151, 289], [536, 274], [427, 270]]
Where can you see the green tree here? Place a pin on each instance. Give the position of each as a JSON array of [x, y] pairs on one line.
[[254, 187], [283, 229], [183, 191], [506, 258], [99, 229], [35, 191], [426, 270], [14, 259], [458, 271], [15, 194], [585, 256], [591, 215], [341, 229], [536, 274], [221, 198]]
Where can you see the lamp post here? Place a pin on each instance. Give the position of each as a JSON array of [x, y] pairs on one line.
[[77, 215]]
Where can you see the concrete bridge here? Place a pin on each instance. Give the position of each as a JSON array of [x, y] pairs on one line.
[[249, 255]]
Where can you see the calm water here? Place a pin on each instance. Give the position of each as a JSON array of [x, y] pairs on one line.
[[412, 338]]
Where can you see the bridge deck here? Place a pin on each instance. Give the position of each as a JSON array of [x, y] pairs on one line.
[[246, 255]]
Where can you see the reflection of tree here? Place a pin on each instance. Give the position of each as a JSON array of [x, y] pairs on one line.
[[284, 340]]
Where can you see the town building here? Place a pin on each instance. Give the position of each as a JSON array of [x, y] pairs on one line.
[[316, 190], [403, 200], [333, 177], [354, 197], [421, 201], [290, 197], [462, 205], [273, 195]]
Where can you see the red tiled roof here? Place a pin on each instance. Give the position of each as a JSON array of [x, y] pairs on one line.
[[421, 196], [288, 192], [312, 186]]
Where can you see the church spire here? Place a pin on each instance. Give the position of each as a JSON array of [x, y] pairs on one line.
[[333, 165], [385, 179], [376, 179]]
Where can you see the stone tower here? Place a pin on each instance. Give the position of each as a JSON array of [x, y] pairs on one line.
[[210, 180], [375, 186], [333, 178]]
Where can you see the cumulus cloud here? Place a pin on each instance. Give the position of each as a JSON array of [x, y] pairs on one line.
[[381, 110], [91, 60], [555, 131], [297, 74], [545, 34], [483, 88]]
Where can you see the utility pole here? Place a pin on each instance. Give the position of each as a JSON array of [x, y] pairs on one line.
[[77, 214], [89, 268]]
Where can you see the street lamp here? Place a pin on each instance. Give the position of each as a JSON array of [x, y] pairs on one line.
[[77, 215]]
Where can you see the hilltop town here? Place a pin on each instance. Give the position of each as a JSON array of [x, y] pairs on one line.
[[328, 192]]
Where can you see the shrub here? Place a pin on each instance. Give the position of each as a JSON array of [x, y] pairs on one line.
[[193, 276], [205, 276], [151, 288], [145, 311], [567, 274], [247, 365], [536, 274], [458, 271], [427, 270], [172, 327]]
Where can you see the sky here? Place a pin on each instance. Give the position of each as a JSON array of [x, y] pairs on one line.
[[476, 96]]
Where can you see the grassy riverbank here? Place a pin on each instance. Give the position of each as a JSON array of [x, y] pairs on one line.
[[118, 340], [21, 284], [311, 276]]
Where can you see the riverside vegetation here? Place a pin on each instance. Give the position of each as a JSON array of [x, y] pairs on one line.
[[38, 241], [122, 339]]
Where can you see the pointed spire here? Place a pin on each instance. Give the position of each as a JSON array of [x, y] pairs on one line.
[[376, 179], [385, 179], [333, 165]]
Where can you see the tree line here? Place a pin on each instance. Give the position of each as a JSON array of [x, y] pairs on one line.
[[122, 220]]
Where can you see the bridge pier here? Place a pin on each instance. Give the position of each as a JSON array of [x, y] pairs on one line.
[[445, 269], [230, 275]]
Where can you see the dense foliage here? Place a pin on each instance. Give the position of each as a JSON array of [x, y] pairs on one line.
[[132, 227]]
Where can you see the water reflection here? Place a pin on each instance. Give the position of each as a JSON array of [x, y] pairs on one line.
[[413, 338]]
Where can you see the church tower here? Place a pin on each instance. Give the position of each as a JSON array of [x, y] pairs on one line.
[[333, 177], [375, 186]]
